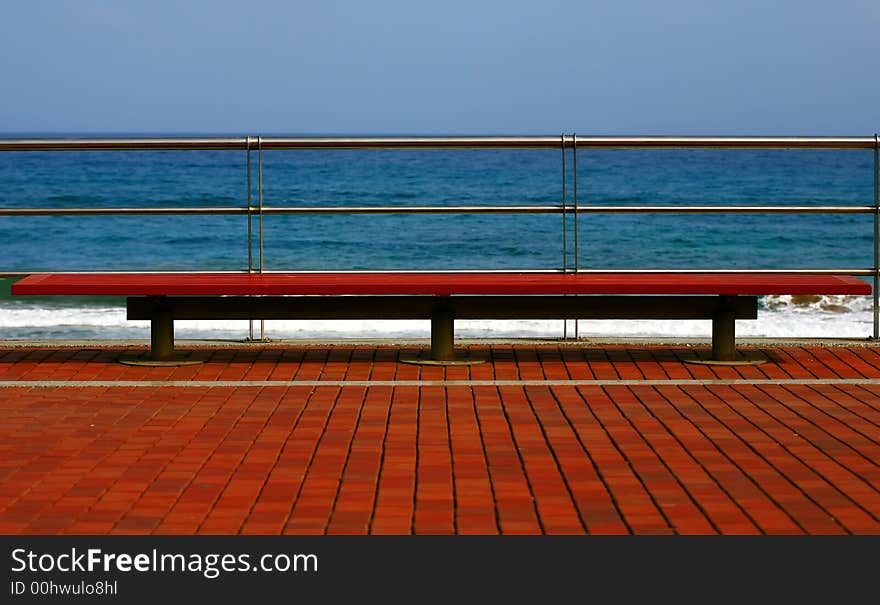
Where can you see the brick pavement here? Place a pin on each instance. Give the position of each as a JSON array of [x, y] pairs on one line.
[[553, 439]]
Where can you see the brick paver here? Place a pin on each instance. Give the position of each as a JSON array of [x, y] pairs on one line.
[[555, 439]]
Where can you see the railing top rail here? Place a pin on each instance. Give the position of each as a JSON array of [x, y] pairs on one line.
[[434, 142], [855, 272], [506, 209], [121, 144]]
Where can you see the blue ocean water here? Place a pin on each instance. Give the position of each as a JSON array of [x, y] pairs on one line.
[[429, 177]]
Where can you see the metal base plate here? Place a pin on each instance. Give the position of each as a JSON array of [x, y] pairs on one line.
[[461, 359], [742, 359], [144, 360]]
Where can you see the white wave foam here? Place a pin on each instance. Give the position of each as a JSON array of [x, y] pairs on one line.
[[818, 304], [779, 317]]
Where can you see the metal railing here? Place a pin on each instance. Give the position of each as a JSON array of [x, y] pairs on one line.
[[525, 142], [258, 210]]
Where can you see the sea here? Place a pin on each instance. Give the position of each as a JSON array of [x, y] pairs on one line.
[[434, 241]]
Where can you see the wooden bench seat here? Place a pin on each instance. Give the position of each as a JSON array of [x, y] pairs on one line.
[[442, 297], [433, 284]]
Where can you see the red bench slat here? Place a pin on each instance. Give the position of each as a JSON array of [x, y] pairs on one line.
[[437, 284]]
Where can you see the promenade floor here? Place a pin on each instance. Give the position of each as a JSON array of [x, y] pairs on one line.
[[555, 438]]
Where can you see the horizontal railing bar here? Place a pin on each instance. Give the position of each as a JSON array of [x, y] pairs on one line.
[[432, 142], [595, 209], [850, 271], [211, 272], [123, 144], [553, 142], [414, 209], [725, 142], [725, 209], [118, 211], [854, 272]]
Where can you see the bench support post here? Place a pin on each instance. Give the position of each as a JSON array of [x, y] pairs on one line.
[[161, 335], [161, 312], [724, 330], [442, 335], [443, 339]]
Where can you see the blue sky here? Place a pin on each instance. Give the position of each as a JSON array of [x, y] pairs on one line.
[[450, 67]]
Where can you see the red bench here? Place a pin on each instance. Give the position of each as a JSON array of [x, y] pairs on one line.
[[442, 297]]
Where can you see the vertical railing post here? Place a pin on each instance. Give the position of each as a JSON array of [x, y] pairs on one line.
[[249, 205], [250, 229], [876, 334], [564, 227], [574, 191], [564, 209], [260, 195], [260, 199]]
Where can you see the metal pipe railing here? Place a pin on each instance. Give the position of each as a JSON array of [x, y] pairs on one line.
[[866, 272], [876, 333], [508, 142], [563, 142], [147, 210]]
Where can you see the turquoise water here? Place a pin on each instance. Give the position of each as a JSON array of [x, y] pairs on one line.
[[429, 177]]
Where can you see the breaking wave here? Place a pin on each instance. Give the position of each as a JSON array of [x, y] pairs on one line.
[[778, 317]]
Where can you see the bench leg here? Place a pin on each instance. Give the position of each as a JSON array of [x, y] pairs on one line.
[[442, 342], [162, 335], [724, 330], [442, 335]]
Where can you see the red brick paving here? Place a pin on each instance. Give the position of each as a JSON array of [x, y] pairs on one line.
[[456, 458]]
